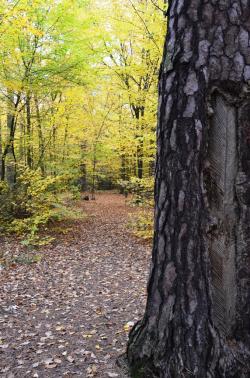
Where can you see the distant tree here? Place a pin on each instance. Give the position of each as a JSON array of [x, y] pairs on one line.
[[132, 57], [197, 318], [43, 61]]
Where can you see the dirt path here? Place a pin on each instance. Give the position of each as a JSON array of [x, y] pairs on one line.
[[65, 316]]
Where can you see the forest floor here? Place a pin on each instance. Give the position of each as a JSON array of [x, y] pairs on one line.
[[69, 314]]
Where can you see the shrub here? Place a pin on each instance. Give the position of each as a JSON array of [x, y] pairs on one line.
[[142, 190], [28, 205], [142, 224]]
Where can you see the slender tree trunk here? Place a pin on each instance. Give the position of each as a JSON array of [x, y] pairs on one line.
[[8, 161], [93, 186], [83, 167], [40, 138], [28, 128], [139, 114], [123, 156], [123, 168], [54, 150], [21, 141], [197, 318], [1, 148], [8, 156], [140, 160], [83, 179], [151, 168], [65, 146]]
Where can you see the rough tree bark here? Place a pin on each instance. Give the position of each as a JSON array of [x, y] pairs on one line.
[[197, 318]]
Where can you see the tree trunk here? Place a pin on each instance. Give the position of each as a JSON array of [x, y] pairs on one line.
[[83, 178], [1, 148], [93, 186], [28, 120], [138, 112], [197, 318], [8, 158], [40, 138]]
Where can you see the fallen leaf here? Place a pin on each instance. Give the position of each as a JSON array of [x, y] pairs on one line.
[[91, 371], [57, 360], [127, 327], [51, 366], [70, 359], [60, 328]]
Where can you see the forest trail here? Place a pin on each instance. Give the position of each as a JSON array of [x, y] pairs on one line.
[[67, 315]]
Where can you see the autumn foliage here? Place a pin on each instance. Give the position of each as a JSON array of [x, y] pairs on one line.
[[78, 98]]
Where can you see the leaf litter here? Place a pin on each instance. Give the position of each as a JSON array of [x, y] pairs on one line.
[[70, 313]]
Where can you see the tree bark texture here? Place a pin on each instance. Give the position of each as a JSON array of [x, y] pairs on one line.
[[197, 318]]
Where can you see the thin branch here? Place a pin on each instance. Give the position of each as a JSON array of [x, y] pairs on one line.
[[159, 8], [144, 23]]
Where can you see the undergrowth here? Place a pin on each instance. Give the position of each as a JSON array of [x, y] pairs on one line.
[[34, 203], [141, 224], [142, 191]]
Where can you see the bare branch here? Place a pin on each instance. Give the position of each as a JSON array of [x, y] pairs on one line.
[[159, 8]]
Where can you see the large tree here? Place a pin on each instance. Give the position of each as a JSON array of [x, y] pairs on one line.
[[197, 318]]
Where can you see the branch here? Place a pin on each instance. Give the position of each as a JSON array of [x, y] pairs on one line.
[[159, 8], [144, 23]]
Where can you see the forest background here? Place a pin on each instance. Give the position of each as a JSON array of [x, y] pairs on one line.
[[78, 100]]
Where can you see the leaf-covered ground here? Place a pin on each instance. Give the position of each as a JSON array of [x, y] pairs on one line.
[[69, 314]]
